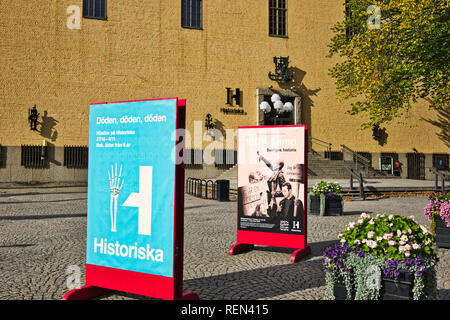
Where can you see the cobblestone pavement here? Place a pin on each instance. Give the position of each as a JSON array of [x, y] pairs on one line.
[[44, 232]]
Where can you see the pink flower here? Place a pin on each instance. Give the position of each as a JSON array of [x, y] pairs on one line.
[[365, 215], [416, 246], [371, 244], [407, 254], [388, 236], [357, 242], [404, 237], [379, 238], [392, 242], [371, 221], [370, 234], [399, 233]]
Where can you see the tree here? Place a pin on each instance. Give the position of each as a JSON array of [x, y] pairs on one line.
[[388, 67]]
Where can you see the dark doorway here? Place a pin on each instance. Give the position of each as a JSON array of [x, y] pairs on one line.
[[416, 166]]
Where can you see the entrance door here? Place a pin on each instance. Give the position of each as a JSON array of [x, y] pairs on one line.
[[273, 118], [416, 166]]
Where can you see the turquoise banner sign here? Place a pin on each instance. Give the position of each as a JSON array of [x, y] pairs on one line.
[[131, 186]]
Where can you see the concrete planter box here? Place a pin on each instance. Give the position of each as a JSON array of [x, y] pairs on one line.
[[399, 288], [333, 207], [442, 233]]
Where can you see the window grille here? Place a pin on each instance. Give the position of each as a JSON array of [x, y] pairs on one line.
[[278, 18], [225, 159], [193, 158], [34, 156], [191, 14], [94, 9], [76, 157]]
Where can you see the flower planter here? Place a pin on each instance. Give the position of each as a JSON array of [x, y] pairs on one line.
[[333, 206], [314, 205], [340, 291], [399, 288], [442, 233], [381, 258]]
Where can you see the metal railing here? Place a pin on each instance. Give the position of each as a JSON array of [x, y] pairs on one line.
[[357, 176], [321, 143], [201, 188], [437, 174], [357, 158]]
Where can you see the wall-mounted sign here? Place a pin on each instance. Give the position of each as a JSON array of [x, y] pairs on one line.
[[237, 99], [271, 201], [135, 199]]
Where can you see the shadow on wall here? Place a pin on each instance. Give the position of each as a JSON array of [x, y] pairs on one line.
[[51, 157], [443, 123], [307, 94], [48, 124]]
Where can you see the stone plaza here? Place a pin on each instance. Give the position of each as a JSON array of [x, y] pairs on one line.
[[44, 240]]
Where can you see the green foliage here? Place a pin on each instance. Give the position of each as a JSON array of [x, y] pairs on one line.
[[387, 69], [391, 237], [324, 187]]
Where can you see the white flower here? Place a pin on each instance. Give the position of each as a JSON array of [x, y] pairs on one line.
[[360, 221], [343, 240], [407, 254], [399, 233], [391, 217], [370, 234], [364, 215], [404, 237], [416, 246], [409, 231], [392, 242], [379, 238], [371, 221], [357, 242]]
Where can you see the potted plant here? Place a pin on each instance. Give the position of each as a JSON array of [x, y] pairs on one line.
[[382, 257], [438, 212], [326, 199]]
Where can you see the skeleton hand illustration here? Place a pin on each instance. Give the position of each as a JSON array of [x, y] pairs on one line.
[[114, 182]]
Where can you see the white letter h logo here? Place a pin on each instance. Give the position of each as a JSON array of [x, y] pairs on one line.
[[143, 200]]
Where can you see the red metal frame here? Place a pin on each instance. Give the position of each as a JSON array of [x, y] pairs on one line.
[[104, 280], [246, 240]]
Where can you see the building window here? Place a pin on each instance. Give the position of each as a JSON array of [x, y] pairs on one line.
[[278, 18], [76, 157], [94, 9], [191, 14]]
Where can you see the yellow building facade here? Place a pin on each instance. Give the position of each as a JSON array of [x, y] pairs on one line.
[[57, 59]]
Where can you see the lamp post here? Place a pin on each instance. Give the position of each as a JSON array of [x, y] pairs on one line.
[[278, 105]]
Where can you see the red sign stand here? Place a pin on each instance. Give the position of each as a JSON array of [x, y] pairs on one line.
[[246, 240], [105, 280]]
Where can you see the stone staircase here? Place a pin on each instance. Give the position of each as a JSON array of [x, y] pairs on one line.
[[321, 168]]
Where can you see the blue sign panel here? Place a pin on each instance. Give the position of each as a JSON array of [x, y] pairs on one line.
[[131, 186]]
